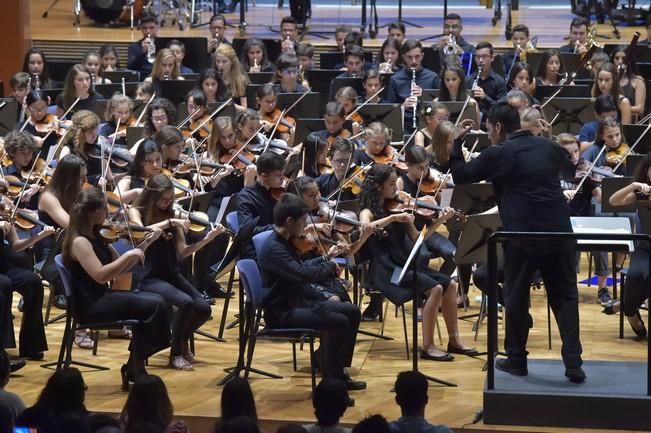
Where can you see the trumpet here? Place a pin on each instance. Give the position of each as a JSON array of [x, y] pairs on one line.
[[530, 48], [451, 47], [151, 51]]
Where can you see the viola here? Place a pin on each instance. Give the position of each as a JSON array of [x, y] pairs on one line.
[[389, 156], [181, 186], [615, 156], [243, 159], [202, 127], [110, 233], [131, 121], [206, 167], [308, 243], [286, 124]]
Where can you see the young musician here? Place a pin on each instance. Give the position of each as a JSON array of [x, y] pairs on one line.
[[77, 85], [390, 60], [233, 74], [341, 161], [35, 64], [21, 148], [212, 85], [20, 84], [607, 83], [288, 35], [93, 263], [287, 75], [378, 137], [489, 87], [454, 89], [140, 58], [372, 83], [217, 28], [40, 123], [609, 134], [347, 97], [162, 273], [92, 62], [147, 163], [397, 31], [254, 56], [433, 114], [293, 302], [401, 88], [354, 64], [392, 250], [578, 37], [119, 107], [632, 85], [161, 112], [637, 279], [529, 201], [164, 68], [521, 78], [266, 98], [520, 40], [334, 118], [109, 59], [178, 48], [550, 70]]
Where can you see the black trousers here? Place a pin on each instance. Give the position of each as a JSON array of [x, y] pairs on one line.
[[192, 310], [637, 281], [480, 279], [300, 10], [338, 323], [150, 337], [557, 265], [32, 333], [204, 259]]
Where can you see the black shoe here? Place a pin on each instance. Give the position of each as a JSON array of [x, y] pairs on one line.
[[60, 302], [576, 375], [609, 309], [603, 296], [354, 385], [641, 331], [529, 320], [206, 297], [372, 312], [214, 289], [17, 365], [468, 352], [506, 365], [350, 402], [32, 356], [442, 358]]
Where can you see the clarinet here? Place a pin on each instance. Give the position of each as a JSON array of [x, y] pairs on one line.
[[476, 81], [413, 83]]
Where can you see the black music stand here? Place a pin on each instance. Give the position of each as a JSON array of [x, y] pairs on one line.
[[196, 51], [308, 107], [320, 80], [432, 59], [610, 185], [573, 113], [412, 264], [135, 133], [430, 94], [176, 90], [116, 76], [471, 198], [472, 247], [632, 162], [632, 133], [260, 77], [201, 201], [471, 137], [339, 82], [454, 108], [8, 115], [108, 90], [389, 114], [578, 91], [251, 93]]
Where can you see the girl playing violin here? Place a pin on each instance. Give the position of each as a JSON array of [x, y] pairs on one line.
[[377, 146], [119, 107], [432, 114], [254, 56], [196, 103], [77, 85], [94, 264], [391, 251], [92, 62], [35, 64], [286, 79], [609, 134], [371, 82], [161, 112], [40, 123], [347, 97], [147, 163], [172, 144], [341, 163], [21, 149], [212, 85], [162, 265], [607, 82], [269, 113], [247, 122]]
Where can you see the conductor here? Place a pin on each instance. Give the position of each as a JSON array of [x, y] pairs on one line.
[[524, 170]]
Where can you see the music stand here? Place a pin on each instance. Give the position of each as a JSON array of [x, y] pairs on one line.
[[472, 247], [135, 133], [454, 108], [471, 198], [578, 91], [305, 126], [108, 90], [632, 133], [430, 94], [610, 185], [200, 203], [196, 50], [8, 115], [52, 94], [389, 114], [632, 162], [176, 90], [471, 137], [308, 107], [294, 165], [574, 113], [260, 77], [250, 93], [58, 69], [116, 76], [332, 59], [320, 80], [432, 59], [354, 82]]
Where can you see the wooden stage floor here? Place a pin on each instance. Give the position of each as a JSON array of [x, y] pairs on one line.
[[549, 23], [196, 396]]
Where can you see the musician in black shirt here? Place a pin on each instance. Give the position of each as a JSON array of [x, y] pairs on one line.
[[490, 87], [525, 171], [341, 163], [291, 302]]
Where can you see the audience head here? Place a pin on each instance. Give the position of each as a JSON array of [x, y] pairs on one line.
[[291, 428], [148, 401], [330, 401], [239, 424], [411, 393], [372, 424], [64, 392], [237, 400]]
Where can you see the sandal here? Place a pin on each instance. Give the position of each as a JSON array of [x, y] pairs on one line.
[[84, 340], [180, 363]]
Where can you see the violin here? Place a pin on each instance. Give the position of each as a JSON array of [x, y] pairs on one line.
[[615, 156], [356, 118], [355, 180], [308, 243], [424, 206], [202, 127], [48, 123], [120, 157], [344, 134], [389, 156], [181, 186], [122, 129], [199, 221], [110, 233], [242, 160], [23, 219], [286, 124], [206, 167], [596, 174], [16, 186]]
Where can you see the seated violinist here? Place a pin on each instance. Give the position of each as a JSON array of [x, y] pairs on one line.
[[119, 108], [341, 162], [147, 163], [377, 147], [257, 201], [249, 131], [21, 148], [334, 118], [269, 114], [294, 302], [609, 134], [347, 97], [532, 120], [41, 124], [197, 106]]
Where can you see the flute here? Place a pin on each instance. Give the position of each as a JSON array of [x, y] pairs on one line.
[[413, 84]]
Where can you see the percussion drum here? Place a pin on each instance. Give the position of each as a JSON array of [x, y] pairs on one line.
[[112, 11]]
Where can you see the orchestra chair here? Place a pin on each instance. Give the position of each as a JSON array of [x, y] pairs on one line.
[[233, 225], [251, 283], [73, 324]]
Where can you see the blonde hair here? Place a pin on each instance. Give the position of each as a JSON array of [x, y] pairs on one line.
[[82, 121], [377, 129], [348, 93], [215, 149], [565, 138], [234, 78], [164, 54], [116, 101], [440, 139]]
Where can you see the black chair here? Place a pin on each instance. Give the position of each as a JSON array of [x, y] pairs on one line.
[[73, 324]]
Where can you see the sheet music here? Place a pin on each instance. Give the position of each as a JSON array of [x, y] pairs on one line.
[[602, 225], [446, 197]]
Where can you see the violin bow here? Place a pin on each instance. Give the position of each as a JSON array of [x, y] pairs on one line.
[[22, 128], [54, 154], [273, 131], [316, 232], [364, 103], [630, 150], [22, 190], [345, 181], [339, 191], [592, 165], [63, 116], [144, 110], [125, 215], [187, 119], [217, 110], [463, 109]]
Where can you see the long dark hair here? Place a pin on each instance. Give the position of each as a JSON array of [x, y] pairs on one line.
[[237, 400], [515, 70], [89, 200], [64, 392], [159, 104], [64, 184], [370, 197], [222, 89], [542, 67], [608, 122], [147, 147], [148, 402], [44, 77], [615, 90], [630, 70], [642, 169], [69, 94], [244, 58], [146, 202], [444, 94]]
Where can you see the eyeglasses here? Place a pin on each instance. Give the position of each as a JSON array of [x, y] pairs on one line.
[[340, 161], [159, 118], [482, 56], [293, 71]]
